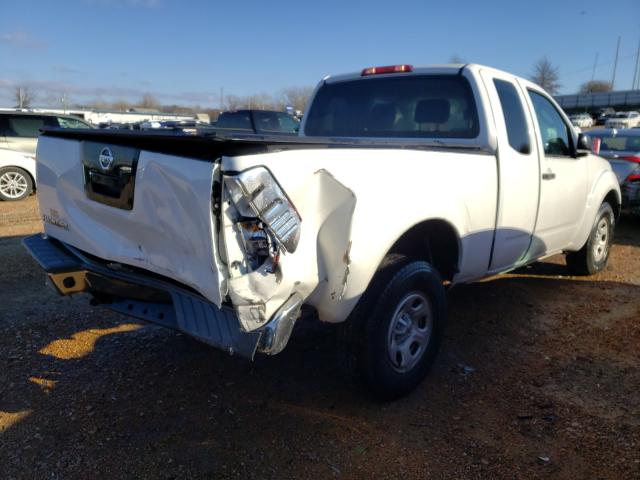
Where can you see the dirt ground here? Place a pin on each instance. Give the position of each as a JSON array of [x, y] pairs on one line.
[[537, 378]]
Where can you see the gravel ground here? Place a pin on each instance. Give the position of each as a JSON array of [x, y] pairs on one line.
[[537, 378]]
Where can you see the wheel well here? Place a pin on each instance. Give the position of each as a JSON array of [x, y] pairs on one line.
[[612, 199], [33, 180], [434, 241]]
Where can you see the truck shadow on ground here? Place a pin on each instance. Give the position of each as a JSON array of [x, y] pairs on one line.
[[86, 392]]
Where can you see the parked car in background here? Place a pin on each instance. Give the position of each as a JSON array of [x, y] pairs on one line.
[[582, 120], [622, 149], [17, 174], [266, 122], [19, 130], [603, 114], [624, 120]]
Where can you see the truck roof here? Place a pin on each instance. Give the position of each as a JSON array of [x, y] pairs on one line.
[[451, 68]]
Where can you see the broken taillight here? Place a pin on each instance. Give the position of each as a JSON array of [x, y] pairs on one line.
[[256, 194]]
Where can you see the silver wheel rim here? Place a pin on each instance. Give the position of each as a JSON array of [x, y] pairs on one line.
[[601, 243], [13, 184], [409, 331]]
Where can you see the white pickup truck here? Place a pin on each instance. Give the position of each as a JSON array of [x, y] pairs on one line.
[[403, 181]]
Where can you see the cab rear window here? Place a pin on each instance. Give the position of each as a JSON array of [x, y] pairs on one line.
[[412, 106]]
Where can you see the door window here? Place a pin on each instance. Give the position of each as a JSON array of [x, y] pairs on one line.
[[514, 117], [25, 126], [555, 134]]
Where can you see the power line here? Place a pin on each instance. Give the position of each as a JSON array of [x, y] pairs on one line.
[[635, 69], [605, 64], [615, 66]]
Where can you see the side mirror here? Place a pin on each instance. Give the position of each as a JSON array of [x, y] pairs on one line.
[[583, 145]]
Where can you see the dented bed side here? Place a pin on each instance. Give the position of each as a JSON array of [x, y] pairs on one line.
[[355, 203]]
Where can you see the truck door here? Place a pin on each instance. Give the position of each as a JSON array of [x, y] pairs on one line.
[[518, 172], [563, 178]]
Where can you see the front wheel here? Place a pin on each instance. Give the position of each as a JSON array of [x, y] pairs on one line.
[[594, 255], [15, 184], [396, 330]]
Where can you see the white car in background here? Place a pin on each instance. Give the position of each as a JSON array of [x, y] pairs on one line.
[[582, 120], [17, 174], [624, 120]]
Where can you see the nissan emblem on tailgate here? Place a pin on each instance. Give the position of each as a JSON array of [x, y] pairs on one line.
[[105, 158]]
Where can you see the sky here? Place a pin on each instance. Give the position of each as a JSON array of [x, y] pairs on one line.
[[185, 52]]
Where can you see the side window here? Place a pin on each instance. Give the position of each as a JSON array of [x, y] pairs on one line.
[[514, 116], [288, 124], [25, 126], [238, 120], [555, 133], [4, 125]]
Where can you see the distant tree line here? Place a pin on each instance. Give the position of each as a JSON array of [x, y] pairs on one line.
[[544, 73], [295, 97]]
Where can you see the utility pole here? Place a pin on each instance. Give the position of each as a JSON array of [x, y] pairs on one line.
[[615, 65], [595, 65], [20, 97], [635, 71], [63, 101]]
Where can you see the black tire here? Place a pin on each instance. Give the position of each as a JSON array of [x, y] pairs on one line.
[[594, 255], [368, 336], [15, 184]]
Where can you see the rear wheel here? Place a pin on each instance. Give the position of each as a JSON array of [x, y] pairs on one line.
[[594, 255], [395, 331], [15, 184]]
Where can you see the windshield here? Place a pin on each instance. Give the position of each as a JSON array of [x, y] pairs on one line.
[[426, 106]]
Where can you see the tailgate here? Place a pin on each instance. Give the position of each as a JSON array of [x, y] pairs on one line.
[[131, 206]]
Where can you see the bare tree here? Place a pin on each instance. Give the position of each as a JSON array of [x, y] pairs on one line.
[[257, 101], [455, 58], [546, 75], [260, 101], [233, 102], [595, 86], [296, 97], [148, 101], [121, 105], [24, 96]]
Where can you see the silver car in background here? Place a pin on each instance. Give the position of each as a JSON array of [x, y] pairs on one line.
[[622, 149], [19, 130]]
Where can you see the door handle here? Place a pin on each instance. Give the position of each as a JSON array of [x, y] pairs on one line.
[[548, 176]]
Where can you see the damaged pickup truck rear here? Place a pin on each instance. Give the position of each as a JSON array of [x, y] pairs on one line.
[[402, 182]]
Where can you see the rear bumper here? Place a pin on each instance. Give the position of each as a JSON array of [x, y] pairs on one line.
[[155, 300]]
